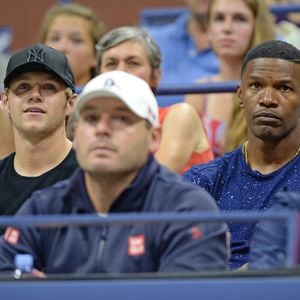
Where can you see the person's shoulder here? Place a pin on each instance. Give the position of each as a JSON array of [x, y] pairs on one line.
[[182, 195], [48, 200], [6, 162], [182, 107], [181, 113], [8, 158], [286, 200], [203, 175], [54, 190], [206, 174], [168, 179], [71, 158], [69, 164], [214, 164], [174, 181]]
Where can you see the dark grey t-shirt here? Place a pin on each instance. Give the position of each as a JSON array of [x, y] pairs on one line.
[[15, 189]]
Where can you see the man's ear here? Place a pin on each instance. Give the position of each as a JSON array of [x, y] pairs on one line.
[[239, 94], [4, 102], [71, 103], [155, 78], [74, 140], [155, 139]]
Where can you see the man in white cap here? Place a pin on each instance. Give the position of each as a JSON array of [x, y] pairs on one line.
[[116, 134]]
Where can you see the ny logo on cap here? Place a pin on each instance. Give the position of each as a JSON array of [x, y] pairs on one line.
[[36, 55]]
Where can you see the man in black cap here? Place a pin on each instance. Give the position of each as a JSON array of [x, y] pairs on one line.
[[38, 98]]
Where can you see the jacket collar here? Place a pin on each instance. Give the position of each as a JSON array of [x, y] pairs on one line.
[[131, 199]]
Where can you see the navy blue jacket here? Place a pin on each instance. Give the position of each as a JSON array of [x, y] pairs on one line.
[[121, 248], [269, 242]]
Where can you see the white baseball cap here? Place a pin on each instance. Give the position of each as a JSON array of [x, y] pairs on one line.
[[133, 91]]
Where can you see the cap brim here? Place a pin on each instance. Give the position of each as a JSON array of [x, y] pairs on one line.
[[31, 67], [83, 99], [95, 94]]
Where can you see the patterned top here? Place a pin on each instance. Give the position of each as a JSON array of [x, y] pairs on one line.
[[238, 188]]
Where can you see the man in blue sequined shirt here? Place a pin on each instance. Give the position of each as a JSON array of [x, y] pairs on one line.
[[248, 177]]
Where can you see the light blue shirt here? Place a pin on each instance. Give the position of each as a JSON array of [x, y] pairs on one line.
[[182, 62]]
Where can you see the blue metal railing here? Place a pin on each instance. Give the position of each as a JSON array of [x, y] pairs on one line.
[[279, 9], [141, 218], [165, 15], [53, 221], [195, 88], [258, 286]]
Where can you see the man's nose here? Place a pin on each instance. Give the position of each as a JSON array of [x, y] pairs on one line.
[[122, 66], [35, 93], [268, 98], [103, 125]]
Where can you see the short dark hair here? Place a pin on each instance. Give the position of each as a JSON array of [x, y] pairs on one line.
[[273, 49]]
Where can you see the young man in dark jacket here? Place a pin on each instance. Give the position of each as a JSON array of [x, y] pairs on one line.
[[116, 134]]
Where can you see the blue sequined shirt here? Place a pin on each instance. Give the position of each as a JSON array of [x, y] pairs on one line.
[[237, 188]]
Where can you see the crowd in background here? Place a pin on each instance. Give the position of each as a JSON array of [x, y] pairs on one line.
[[239, 150]]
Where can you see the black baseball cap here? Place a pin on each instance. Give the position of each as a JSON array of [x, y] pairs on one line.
[[42, 58]]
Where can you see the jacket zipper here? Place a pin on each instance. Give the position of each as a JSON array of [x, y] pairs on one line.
[[102, 243]]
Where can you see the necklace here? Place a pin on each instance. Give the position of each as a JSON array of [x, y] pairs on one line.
[[245, 152]]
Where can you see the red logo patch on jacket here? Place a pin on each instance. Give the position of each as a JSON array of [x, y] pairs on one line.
[[196, 233], [12, 235], [136, 245]]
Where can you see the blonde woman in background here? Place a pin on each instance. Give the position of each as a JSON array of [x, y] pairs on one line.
[[234, 27], [74, 29]]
